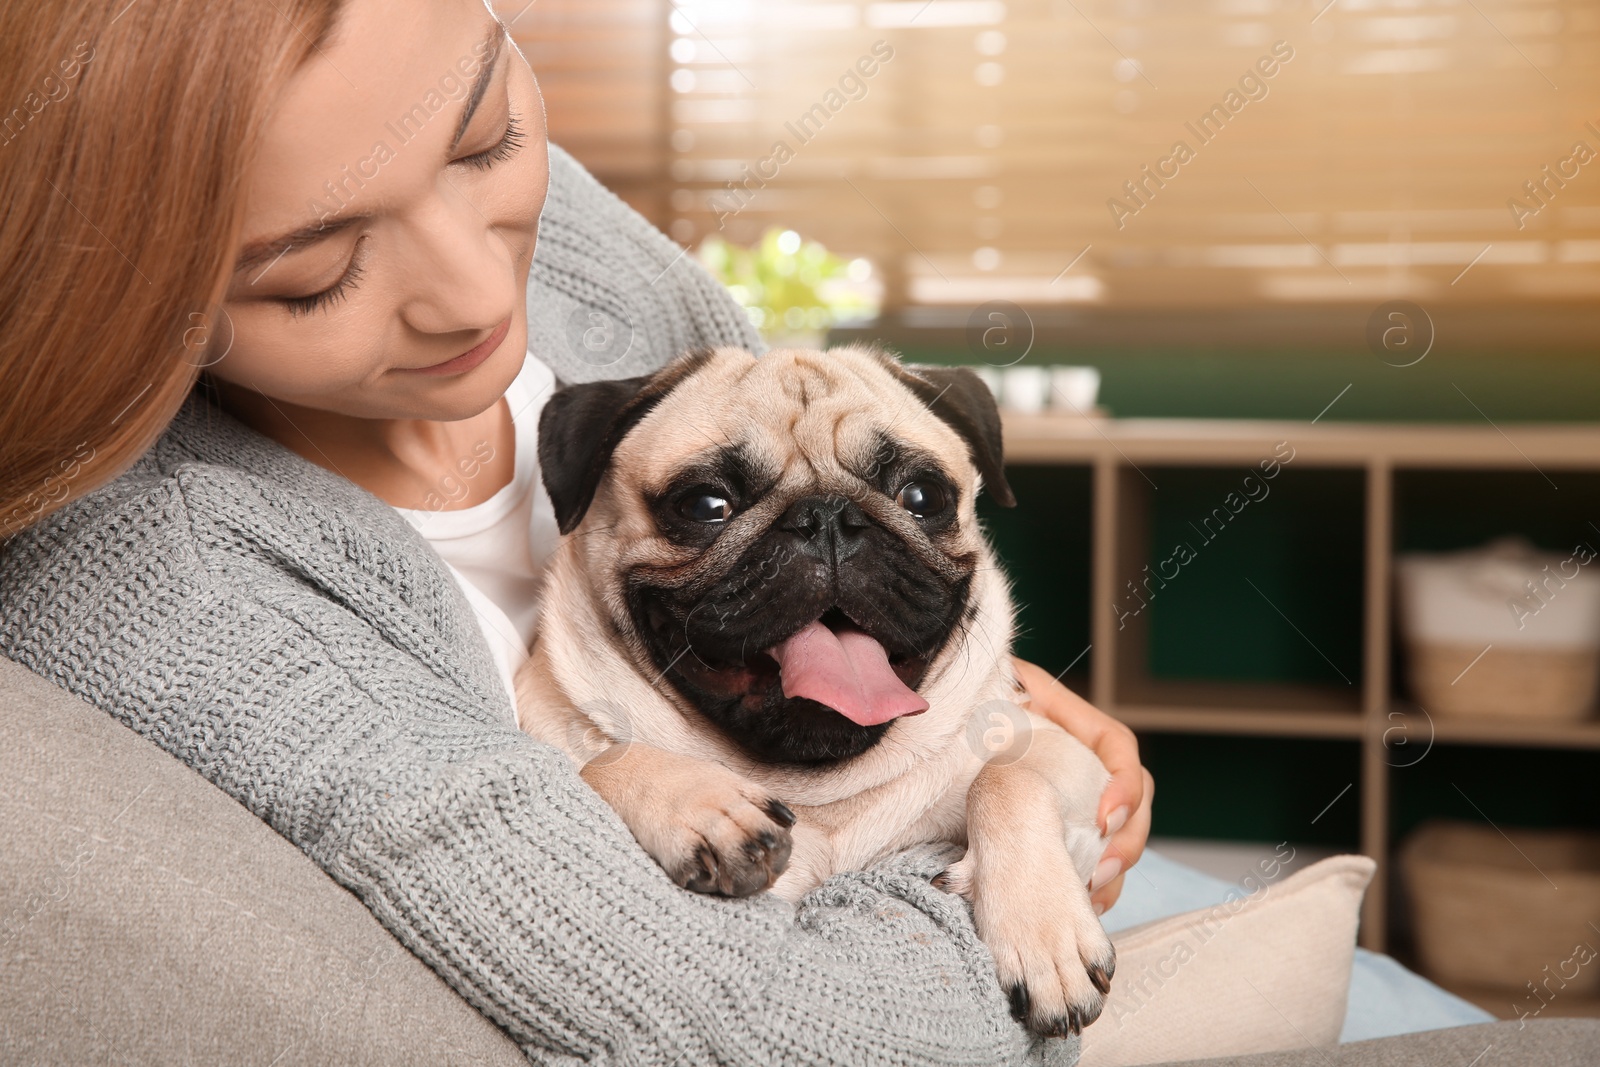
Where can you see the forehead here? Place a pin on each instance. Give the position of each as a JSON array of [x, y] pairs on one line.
[[793, 407], [386, 58]]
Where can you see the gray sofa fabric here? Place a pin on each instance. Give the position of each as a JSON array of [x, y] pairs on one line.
[[1536, 1043], [145, 917]]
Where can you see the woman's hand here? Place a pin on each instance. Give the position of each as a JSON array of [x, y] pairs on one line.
[[1125, 805]]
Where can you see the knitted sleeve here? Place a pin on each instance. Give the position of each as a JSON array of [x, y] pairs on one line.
[[479, 848], [611, 296]]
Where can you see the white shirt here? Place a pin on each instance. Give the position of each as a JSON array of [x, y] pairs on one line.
[[498, 549]]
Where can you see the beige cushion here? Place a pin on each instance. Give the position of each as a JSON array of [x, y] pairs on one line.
[[1263, 972], [145, 917]]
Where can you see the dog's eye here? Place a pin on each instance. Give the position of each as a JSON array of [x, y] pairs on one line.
[[705, 507], [921, 498]]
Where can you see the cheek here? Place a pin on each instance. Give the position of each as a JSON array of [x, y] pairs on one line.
[[525, 179], [521, 188], [304, 359]]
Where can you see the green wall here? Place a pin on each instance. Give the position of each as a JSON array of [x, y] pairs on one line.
[[1488, 364]]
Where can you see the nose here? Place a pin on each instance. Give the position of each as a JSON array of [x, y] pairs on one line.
[[462, 270], [828, 527]]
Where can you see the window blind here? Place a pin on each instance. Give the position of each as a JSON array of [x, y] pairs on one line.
[[1132, 154], [603, 69]]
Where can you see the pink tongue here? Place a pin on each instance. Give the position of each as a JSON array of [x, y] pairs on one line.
[[847, 671]]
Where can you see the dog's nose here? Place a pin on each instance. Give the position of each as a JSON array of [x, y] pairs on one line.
[[828, 526]]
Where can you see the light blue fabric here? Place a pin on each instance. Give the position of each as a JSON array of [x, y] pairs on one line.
[[1385, 998]]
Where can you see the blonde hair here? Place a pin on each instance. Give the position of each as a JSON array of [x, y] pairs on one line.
[[125, 138]]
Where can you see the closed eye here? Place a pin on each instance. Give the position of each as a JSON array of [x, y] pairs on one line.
[[508, 145], [304, 305]]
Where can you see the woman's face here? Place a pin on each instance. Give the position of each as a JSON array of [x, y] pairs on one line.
[[391, 221]]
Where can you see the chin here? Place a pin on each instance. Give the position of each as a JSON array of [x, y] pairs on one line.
[[463, 396]]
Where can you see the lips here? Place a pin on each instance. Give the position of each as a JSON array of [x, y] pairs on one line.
[[472, 357]]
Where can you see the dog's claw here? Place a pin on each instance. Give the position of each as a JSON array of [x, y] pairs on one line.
[[1019, 1001], [1101, 979], [1057, 1025], [703, 878], [780, 813]]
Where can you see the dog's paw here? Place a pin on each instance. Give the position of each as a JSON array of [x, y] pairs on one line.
[[1053, 958], [710, 829], [726, 836], [732, 844], [1056, 972]]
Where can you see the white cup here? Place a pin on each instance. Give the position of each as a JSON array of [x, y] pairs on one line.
[[1074, 389], [1024, 389]]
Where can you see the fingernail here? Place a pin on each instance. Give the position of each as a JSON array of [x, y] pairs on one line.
[[1107, 869], [1116, 819], [1099, 909]]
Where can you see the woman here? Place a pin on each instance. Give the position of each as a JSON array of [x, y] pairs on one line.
[[309, 576]]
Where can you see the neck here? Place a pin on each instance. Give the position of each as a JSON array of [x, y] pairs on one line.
[[421, 464]]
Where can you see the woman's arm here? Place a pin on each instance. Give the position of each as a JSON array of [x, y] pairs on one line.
[[1125, 804], [478, 847]]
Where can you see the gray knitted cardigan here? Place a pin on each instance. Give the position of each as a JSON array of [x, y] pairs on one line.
[[294, 640]]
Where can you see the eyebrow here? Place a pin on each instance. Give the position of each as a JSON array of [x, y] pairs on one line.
[[491, 42], [258, 252]]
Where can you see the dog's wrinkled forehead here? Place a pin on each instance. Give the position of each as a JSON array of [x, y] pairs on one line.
[[795, 416], [802, 414]]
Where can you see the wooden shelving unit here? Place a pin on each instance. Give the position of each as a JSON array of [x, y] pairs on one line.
[[1117, 679]]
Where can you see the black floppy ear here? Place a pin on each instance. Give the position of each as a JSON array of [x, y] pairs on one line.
[[578, 430], [961, 398], [582, 425]]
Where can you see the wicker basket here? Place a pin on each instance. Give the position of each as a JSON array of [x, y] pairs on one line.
[[1493, 912], [1555, 684], [1504, 630]]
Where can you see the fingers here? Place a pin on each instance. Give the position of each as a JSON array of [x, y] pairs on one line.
[[1125, 847], [1126, 793], [1113, 742], [1125, 804], [1107, 895]]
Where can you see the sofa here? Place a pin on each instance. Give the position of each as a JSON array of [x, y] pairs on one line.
[[147, 918]]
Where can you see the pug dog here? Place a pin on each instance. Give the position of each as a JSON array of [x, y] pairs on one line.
[[777, 643]]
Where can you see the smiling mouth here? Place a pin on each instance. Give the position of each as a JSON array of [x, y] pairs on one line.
[[471, 357], [831, 661]]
